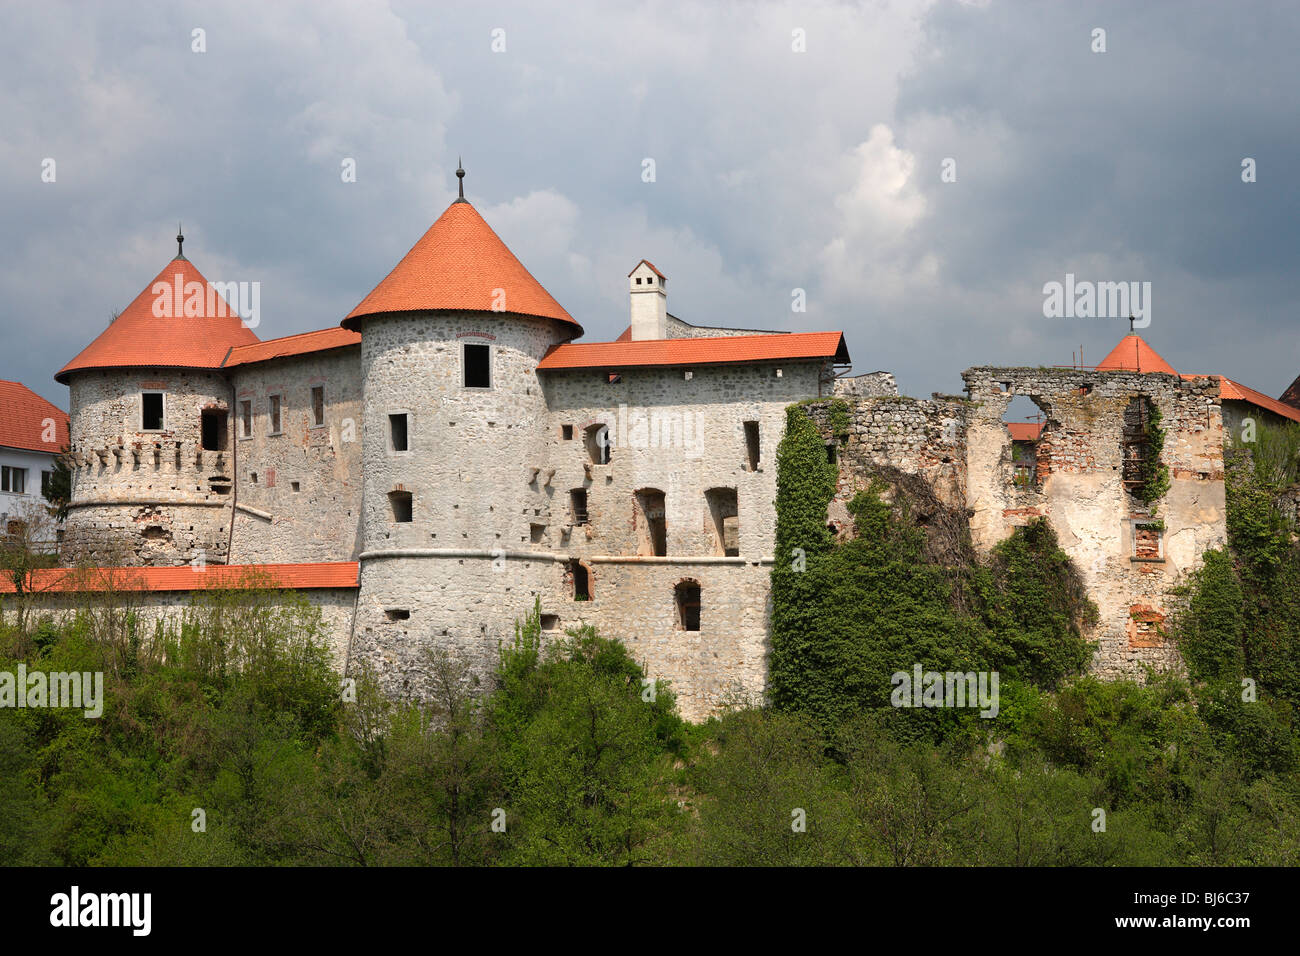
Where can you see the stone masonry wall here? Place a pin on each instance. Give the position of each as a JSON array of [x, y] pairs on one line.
[[147, 497], [298, 496]]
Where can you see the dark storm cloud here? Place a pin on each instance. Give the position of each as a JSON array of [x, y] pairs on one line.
[[775, 170]]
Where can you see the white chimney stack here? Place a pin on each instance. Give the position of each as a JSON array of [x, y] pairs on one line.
[[646, 285]]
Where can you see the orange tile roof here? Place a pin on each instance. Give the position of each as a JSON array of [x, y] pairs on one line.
[[701, 351], [1024, 431], [139, 338], [342, 574], [652, 268], [460, 263], [23, 415], [1230, 390], [302, 344], [1132, 354]]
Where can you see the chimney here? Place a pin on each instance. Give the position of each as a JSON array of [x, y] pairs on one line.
[[649, 302]]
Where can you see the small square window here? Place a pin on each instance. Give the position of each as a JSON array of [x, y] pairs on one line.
[[566, 432], [295, 486]]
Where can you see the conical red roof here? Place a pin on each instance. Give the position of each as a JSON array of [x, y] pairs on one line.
[[460, 263], [154, 329], [1132, 354]]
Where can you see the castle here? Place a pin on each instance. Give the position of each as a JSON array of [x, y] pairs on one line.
[[449, 454]]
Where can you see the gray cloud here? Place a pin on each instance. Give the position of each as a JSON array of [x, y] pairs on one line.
[[775, 169]]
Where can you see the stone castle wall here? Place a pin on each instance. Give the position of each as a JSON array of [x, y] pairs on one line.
[[147, 497], [298, 497]]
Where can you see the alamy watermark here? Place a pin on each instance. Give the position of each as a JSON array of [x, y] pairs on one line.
[[215, 300], [78, 690], [947, 689], [1098, 300]]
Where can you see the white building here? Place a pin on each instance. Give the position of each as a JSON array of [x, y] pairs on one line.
[[32, 433]]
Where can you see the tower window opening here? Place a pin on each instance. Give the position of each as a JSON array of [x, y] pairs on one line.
[[686, 596], [578, 504], [751, 445], [652, 524], [566, 432], [596, 438], [723, 521], [477, 361], [212, 429], [398, 614], [317, 405], [398, 432], [400, 502], [581, 578], [151, 411]]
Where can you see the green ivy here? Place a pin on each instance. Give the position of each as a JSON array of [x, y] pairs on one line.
[[1155, 473]]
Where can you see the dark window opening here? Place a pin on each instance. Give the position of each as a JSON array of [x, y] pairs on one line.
[[536, 533], [318, 405], [478, 368], [400, 501], [398, 432], [295, 486], [212, 427], [653, 523], [152, 411], [566, 432], [581, 581], [246, 419], [398, 614], [596, 439], [1135, 448], [687, 596], [273, 402], [578, 504], [830, 454], [550, 622], [47, 478], [751, 445], [724, 521]]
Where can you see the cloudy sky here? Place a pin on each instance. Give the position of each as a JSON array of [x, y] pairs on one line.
[[775, 168]]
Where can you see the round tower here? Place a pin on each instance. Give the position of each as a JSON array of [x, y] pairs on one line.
[[150, 443], [454, 443]]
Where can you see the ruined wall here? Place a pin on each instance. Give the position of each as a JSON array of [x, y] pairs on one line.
[[867, 385], [679, 329], [147, 497], [299, 492], [1128, 563]]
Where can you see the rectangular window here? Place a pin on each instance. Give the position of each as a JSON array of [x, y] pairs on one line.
[[245, 419], [397, 431], [13, 480], [151, 411], [400, 502], [273, 402], [566, 432], [477, 360], [212, 429], [47, 480], [578, 505], [317, 405], [751, 445]]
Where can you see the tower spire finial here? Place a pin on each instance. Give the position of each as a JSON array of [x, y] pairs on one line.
[[460, 175], [180, 242]]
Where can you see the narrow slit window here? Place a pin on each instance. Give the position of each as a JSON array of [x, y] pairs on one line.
[[751, 445], [723, 521], [687, 598], [274, 413], [398, 432], [246, 419], [596, 438], [652, 523], [318, 405], [581, 581], [478, 366]]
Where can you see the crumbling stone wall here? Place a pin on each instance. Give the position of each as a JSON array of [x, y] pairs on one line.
[[867, 385], [298, 497]]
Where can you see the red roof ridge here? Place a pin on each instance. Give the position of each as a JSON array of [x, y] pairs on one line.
[[652, 268], [307, 576], [707, 350]]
